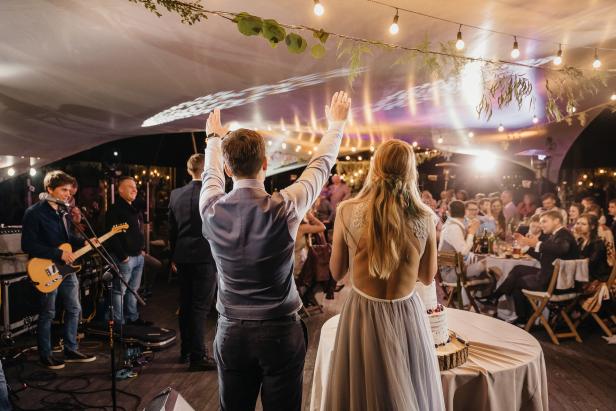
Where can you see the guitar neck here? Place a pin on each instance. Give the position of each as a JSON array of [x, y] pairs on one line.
[[85, 249]]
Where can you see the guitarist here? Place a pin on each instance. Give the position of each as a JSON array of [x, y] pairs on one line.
[[45, 228]]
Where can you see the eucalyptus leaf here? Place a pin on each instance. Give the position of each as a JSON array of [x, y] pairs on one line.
[[272, 31], [295, 43], [321, 35], [248, 24], [317, 51]]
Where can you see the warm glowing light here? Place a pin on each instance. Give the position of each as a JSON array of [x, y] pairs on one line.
[[234, 125], [501, 128], [310, 153], [415, 144], [440, 140], [372, 149], [559, 56], [360, 158], [353, 149], [394, 28], [298, 148], [32, 172], [485, 162], [591, 184], [269, 143], [459, 41], [284, 146], [515, 52], [613, 97], [347, 158], [471, 134], [597, 63], [585, 176], [580, 183], [535, 120], [10, 172], [318, 8], [115, 153]]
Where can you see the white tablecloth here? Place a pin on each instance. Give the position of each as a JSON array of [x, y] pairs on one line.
[[505, 368]]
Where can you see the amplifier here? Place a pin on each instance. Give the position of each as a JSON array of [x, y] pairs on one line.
[[13, 264], [20, 303], [10, 239]]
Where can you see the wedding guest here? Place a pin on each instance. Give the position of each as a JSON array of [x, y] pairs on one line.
[[496, 207], [560, 244], [427, 199], [592, 247], [261, 341], [510, 211], [461, 195], [575, 210], [456, 237], [488, 223], [479, 196], [444, 199], [323, 209], [527, 207], [604, 232], [588, 201], [385, 240], [338, 191], [611, 209], [310, 225], [548, 202]]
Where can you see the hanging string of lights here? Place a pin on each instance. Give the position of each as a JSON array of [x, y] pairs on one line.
[[515, 51]]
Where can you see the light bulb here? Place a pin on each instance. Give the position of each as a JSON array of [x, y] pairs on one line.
[[394, 28], [471, 134], [11, 172], [348, 158], [440, 140], [415, 143], [284, 146], [32, 172], [559, 56], [460, 42], [501, 128], [613, 97], [535, 120], [597, 63], [515, 52], [318, 8]]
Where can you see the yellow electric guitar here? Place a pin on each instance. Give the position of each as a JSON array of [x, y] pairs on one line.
[[47, 275]]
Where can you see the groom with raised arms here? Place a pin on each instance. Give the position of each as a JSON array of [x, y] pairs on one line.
[[260, 342]]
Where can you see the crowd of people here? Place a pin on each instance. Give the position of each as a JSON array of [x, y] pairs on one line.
[[246, 247]]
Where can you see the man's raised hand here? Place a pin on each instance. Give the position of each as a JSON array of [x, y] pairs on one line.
[[213, 124], [338, 110]]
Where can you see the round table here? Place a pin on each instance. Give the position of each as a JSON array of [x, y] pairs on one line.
[[505, 369]]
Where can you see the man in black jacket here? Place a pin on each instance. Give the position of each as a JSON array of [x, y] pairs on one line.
[[560, 244], [127, 249], [45, 227], [192, 258]]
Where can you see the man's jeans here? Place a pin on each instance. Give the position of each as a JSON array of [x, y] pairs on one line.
[[68, 291], [266, 356], [197, 292], [124, 302]]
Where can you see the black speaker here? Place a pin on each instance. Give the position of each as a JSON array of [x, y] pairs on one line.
[[168, 400]]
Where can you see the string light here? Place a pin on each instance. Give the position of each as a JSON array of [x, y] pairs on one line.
[[372, 149], [501, 128], [460, 42], [415, 144], [597, 63], [440, 140], [32, 171], [559, 56], [347, 158], [515, 52], [318, 8], [394, 28], [10, 172], [471, 134], [284, 146], [613, 97], [360, 158], [298, 148], [535, 120]]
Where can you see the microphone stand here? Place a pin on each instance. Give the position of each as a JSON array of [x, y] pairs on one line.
[[112, 272]]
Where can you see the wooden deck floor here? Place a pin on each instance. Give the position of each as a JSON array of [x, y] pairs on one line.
[[580, 376]]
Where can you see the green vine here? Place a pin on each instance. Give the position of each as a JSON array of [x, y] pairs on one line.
[[190, 13], [355, 53], [566, 87]]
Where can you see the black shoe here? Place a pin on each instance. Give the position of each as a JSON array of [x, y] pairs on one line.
[[52, 363], [140, 322], [489, 300], [76, 356], [184, 358], [205, 363]]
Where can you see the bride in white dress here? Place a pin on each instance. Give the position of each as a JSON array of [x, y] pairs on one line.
[[385, 238]]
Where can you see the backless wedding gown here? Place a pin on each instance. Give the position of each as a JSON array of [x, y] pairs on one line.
[[383, 357]]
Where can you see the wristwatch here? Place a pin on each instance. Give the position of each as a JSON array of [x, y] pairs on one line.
[[211, 135]]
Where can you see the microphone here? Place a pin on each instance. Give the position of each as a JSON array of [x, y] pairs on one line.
[[51, 199]]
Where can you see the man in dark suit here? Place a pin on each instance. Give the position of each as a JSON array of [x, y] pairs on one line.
[[192, 258], [560, 244]]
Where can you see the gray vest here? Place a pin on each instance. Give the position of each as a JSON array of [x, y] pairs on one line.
[[249, 236]]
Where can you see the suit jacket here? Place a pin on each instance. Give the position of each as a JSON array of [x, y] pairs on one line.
[[185, 226], [560, 245], [596, 253]]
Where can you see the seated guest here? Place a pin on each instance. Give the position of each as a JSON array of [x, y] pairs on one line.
[[527, 207], [309, 225], [560, 244], [548, 202], [472, 213], [534, 228], [611, 209], [323, 209], [455, 237], [604, 232], [592, 247], [588, 201], [575, 210], [510, 211], [496, 206]]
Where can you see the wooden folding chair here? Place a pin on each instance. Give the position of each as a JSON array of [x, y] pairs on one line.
[[558, 305], [602, 322], [455, 261]]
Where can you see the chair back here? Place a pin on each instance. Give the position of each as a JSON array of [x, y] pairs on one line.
[[612, 278], [453, 260], [552, 284]]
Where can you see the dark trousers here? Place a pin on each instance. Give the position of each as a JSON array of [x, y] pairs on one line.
[[197, 292], [265, 356], [522, 277]]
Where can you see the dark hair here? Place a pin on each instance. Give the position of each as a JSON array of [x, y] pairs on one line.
[[553, 214], [612, 201], [456, 209], [58, 178], [535, 218], [244, 152], [548, 195], [594, 208], [195, 163], [579, 207], [463, 193], [471, 202], [593, 222], [590, 199], [500, 218]]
